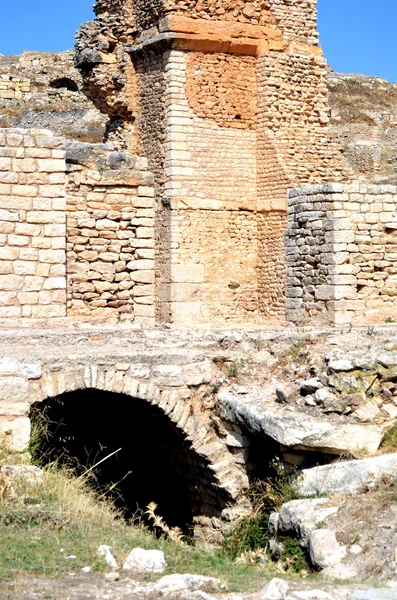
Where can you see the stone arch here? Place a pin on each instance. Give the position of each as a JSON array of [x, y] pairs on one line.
[[66, 83], [224, 475]]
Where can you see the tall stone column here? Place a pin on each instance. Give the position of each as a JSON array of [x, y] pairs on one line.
[[230, 108]]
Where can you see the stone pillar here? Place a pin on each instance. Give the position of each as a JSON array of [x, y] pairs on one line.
[[32, 224], [341, 252], [230, 108]]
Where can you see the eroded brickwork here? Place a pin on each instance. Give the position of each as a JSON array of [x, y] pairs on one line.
[[293, 143], [271, 271], [341, 251], [222, 87], [32, 224], [228, 105], [214, 267], [110, 227]]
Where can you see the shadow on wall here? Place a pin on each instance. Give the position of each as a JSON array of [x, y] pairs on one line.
[[155, 464]]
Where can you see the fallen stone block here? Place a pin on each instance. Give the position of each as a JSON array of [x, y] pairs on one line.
[[324, 549], [276, 589], [145, 561], [348, 476]]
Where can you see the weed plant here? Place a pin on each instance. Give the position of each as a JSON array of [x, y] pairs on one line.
[[251, 534], [390, 439]]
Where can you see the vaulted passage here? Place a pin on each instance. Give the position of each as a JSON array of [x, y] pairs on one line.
[[155, 462]]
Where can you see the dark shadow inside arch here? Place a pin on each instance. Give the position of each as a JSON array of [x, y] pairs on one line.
[[156, 462], [66, 83]]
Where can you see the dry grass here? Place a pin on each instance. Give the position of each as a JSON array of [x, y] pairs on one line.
[[43, 524]]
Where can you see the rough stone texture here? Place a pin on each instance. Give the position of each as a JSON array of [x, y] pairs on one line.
[[348, 476], [301, 517], [364, 123], [110, 235], [285, 427], [32, 224], [276, 589], [150, 561], [324, 549], [42, 90], [175, 583], [341, 254], [230, 107]]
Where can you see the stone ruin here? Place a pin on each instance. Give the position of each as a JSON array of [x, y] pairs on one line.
[[213, 113], [216, 200], [179, 218]]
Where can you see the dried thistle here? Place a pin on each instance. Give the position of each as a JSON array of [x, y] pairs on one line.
[[253, 557], [6, 489], [174, 533]]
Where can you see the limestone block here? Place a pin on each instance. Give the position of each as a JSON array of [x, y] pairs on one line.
[[276, 589], [15, 389], [186, 313], [187, 273], [197, 373], [301, 517], [145, 561], [142, 277], [324, 549], [16, 432], [348, 476], [168, 375]]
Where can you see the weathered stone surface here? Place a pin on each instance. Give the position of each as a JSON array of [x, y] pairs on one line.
[[287, 428], [106, 553], [276, 589], [347, 476], [151, 561], [375, 594], [301, 517], [324, 549], [182, 583]]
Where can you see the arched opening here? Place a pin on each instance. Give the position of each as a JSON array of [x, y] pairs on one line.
[[64, 83], [155, 463]]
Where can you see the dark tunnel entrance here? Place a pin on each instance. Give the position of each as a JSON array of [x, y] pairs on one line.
[[155, 462]]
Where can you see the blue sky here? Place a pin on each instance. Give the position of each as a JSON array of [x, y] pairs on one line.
[[357, 35]]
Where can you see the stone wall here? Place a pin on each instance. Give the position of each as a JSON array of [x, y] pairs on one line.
[[43, 90], [293, 140], [13, 87], [231, 110], [32, 224], [110, 236], [341, 253]]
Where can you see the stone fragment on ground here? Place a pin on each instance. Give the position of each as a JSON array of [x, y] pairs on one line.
[[339, 572], [276, 589], [145, 561], [375, 594], [311, 595], [106, 553], [170, 584], [301, 517], [324, 549], [347, 476]]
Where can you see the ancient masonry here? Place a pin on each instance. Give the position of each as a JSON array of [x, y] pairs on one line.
[[216, 200], [213, 114]]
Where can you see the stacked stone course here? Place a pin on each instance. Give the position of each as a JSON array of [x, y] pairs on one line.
[[32, 224], [13, 88], [111, 266], [229, 106], [341, 253]]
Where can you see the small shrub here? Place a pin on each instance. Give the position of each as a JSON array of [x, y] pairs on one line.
[[390, 439], [234, 368], [390, 320], [250, 534], [294, 558]]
